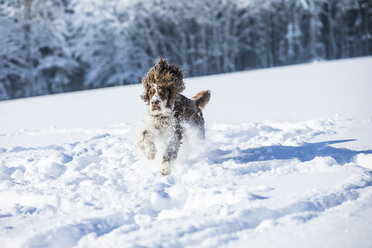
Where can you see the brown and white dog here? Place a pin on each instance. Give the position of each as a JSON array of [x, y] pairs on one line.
[[168, 111]]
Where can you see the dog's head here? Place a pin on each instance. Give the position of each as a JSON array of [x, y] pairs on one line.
[[163, 85]]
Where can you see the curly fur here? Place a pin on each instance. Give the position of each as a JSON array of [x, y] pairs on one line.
[[168, 110], [164, 75]]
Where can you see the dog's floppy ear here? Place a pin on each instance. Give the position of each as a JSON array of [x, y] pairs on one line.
[[146, 94], [177, 85]]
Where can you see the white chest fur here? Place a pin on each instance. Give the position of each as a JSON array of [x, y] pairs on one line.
[[162, 122]]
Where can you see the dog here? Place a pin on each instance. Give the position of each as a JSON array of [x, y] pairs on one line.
[[169, 111]]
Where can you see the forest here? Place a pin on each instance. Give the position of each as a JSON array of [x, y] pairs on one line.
[[54, 46]]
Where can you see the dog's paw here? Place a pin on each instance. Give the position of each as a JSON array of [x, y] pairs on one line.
[[150, 155], [165, 168], [148, 148], [150, 151]]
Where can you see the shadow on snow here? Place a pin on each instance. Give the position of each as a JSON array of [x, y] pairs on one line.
[[303, 153]]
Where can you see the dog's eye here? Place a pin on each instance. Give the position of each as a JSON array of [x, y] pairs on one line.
[[160, 91]]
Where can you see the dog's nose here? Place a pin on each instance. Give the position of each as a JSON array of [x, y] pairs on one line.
[[155, 102]]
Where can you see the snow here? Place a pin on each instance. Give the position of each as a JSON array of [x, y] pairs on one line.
[[287, 162]]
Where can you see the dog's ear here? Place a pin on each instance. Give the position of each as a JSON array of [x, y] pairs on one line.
[[178, 75], [146, 93], [177, 83]]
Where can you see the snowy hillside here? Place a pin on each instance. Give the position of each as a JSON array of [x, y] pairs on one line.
[[287, 163]]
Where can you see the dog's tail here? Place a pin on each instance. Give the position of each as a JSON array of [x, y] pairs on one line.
[[202, 98]]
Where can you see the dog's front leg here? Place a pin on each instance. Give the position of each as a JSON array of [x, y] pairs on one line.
[[172, 150], [147, 144]]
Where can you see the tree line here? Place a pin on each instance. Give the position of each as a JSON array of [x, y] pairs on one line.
[[52, 46]]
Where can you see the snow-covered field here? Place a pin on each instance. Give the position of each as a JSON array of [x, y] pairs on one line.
[[287, 163]]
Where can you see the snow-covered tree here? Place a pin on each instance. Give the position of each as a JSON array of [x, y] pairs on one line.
[[36, 58], [13, 64], [52, 59], [50, 46]]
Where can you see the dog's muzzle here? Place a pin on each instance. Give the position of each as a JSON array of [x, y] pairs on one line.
[[155, 105]]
